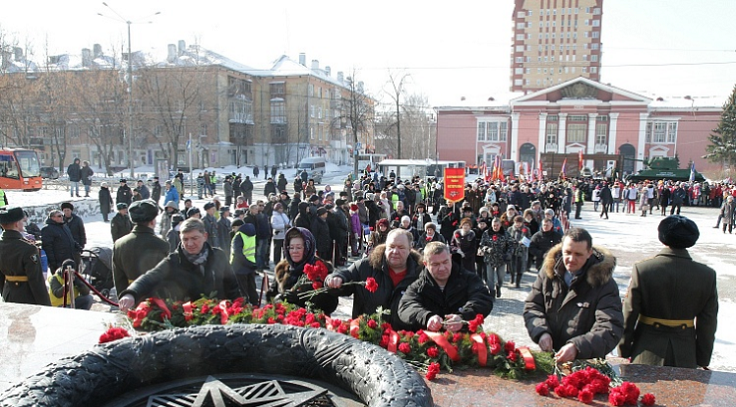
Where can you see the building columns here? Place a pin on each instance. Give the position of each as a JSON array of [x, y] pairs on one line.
[[562, 133], [613, 124], [514, 136], [591, 138], [642, 140], [542, 143]]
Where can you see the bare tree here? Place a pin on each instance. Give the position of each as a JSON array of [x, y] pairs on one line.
[[358, 112], [397, 82], [174, 99]]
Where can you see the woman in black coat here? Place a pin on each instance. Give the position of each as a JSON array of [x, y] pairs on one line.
[[106, 202], [321, 232], [299, 252], [302, 219]]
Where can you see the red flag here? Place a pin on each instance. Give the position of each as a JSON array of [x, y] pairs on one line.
[[563, 170], [580, 160]]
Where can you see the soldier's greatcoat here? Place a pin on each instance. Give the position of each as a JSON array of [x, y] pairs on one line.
[[670, 286]]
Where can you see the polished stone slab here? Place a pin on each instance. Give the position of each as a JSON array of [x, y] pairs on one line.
[[33, 336], [673, 387]]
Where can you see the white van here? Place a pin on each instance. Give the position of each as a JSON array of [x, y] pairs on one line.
[[315, 167]]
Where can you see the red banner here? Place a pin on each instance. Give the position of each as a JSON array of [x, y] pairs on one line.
[[454, 184]]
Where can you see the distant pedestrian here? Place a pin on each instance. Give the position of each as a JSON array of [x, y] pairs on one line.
[[106, 202], [75, 175], [121, 224], [86, 177]]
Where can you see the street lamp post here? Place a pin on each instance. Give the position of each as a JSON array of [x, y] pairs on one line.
[[129, 134]]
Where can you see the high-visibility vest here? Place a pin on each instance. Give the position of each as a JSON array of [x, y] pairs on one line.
[[2, 198], [249, 247], [59, 301]]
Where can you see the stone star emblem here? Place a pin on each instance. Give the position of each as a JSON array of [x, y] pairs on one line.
[[215, 393]]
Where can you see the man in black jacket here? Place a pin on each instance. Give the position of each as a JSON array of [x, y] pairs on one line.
[[246, 187], [125, 195], [57, 240], [74, 172], [76, 227], [156, 190], [121, 224], [193, 270], [394, 266], [444, 295]]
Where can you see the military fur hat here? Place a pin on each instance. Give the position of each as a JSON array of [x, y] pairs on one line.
[[143, 211], [11, 214], [678, 232]]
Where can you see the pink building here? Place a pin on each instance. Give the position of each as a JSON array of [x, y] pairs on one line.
[[580, 115]]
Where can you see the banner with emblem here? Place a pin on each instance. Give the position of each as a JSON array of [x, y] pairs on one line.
[[454, 184]]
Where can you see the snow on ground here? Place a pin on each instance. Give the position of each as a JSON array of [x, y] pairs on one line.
[[630, 237]]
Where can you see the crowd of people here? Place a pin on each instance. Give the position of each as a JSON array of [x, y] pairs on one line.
[[437, 264]]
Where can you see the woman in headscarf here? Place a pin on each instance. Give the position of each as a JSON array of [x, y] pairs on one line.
[[300, 252]]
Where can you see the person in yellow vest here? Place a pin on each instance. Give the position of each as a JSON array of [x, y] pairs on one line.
[[82, 297], [3, 199], [243, 259], [21, 278]]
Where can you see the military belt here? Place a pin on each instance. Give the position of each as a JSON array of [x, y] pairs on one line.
[[672, 323], [17, 279]]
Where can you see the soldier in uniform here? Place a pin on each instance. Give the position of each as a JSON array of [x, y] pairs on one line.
[[671, 310], [21, 277], [140, 250]]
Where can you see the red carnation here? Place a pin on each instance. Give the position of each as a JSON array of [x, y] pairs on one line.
[[384, 341], [316, 285], [524, 230], [432, 371], [113, 334], [616, 398], [495, 237], [371, 285], [648, 399], [542, 389], [631, 391], [511, 357], [552, 381], [566, 391], [271, 321], [372, 324], [404, 347], [422, 338], [509, 347], [495, 349], [586, 396], [433, 352]]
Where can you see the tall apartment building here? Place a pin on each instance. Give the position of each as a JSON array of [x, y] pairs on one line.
[[555, 41]]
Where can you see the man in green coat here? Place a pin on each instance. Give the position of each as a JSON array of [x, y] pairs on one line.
[[140, 250], [121, 224], [671, 309], [21, 278]]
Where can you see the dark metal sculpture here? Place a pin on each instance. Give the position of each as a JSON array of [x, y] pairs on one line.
[[106, 372]]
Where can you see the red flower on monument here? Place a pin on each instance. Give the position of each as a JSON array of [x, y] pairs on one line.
[[371, 285], [432, 371], [433, 352], [404, 347], [113, 334], [648, 399]]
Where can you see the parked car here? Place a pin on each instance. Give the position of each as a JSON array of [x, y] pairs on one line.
[[49, 172]]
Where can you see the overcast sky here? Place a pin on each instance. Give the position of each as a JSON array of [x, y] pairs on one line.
[[449, 49]]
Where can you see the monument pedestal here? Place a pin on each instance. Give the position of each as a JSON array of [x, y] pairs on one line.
[[672, 387]]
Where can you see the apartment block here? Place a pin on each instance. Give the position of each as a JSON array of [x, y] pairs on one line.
[[555, 41]]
